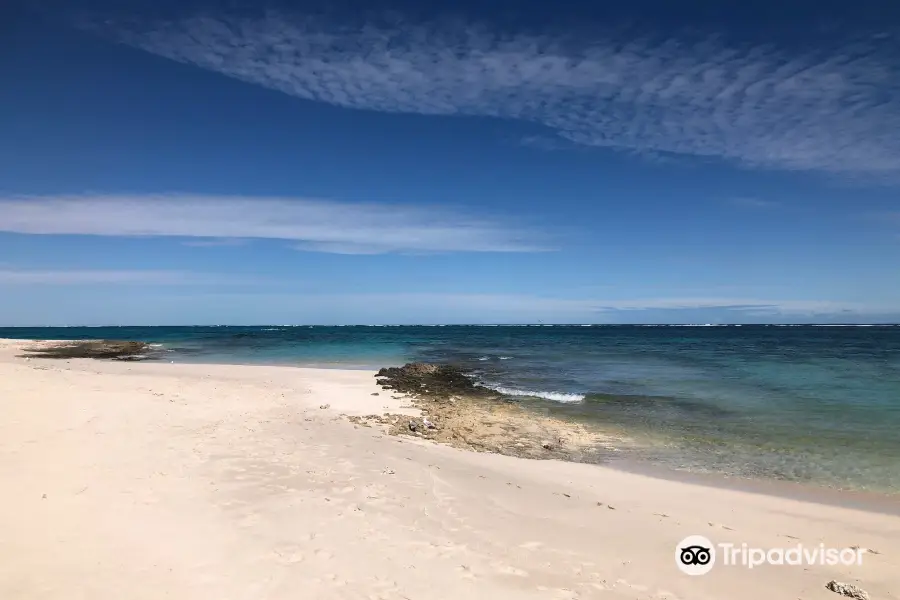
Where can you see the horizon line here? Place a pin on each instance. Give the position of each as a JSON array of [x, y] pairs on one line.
[[884, 324]]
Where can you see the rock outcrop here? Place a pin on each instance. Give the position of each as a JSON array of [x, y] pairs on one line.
[[457, 412], [435, 381], [98, 349]]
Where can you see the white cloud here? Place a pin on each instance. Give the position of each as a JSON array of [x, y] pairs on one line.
[[10, 277], [531, 308], [256, 305], [319, 225], [440, 307], [343, 248], [515, 303], [831, 109], [545, 142], [215, 243], [756, 305]]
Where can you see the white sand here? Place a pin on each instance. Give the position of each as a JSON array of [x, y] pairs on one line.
[[124, 480]]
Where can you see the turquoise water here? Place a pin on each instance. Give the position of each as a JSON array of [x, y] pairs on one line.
[[807, 403]]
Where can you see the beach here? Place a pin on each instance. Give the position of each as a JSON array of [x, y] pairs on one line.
[[814, 405], [185, 481]]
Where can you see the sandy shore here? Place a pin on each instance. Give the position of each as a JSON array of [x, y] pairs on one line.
[[151, 480]]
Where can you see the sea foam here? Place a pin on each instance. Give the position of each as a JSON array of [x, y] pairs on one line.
[[552, 396]]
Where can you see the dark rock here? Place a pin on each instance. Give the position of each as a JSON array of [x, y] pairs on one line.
[[98, 349], [440, 381]]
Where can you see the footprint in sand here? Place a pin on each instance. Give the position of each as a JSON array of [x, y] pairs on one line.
[[388, 589], [635, 586], [561, 593], [445, 550], [865, 550], [334, 580], [288, 555], [465, 572], [323, 554], [531, 545], [509, 570], [250, 520]]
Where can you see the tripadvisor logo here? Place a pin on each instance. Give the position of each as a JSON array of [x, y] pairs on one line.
[[697, 555]]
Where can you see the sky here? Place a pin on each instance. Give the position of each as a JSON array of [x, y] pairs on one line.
[[347, 162]]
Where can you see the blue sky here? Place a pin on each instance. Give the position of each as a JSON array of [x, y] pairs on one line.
[[489, 162]]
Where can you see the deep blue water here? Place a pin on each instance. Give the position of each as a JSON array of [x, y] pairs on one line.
[[807, 403]]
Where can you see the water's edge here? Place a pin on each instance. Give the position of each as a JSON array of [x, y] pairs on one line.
[[815, 405]]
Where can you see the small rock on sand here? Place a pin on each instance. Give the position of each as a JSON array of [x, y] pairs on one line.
[[847, 589], [324, 406]]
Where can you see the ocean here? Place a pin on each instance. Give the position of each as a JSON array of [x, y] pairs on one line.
[[814, 404]]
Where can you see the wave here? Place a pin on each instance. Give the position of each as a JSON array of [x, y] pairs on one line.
[[552, 396], [506, 358]]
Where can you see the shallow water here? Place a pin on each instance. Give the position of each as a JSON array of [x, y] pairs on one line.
[[817, 404]]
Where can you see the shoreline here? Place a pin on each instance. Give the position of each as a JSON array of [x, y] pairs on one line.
[[189, 481], [870, 501], [864, 500]]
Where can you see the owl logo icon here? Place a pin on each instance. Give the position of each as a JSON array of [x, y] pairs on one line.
[[695, 555]]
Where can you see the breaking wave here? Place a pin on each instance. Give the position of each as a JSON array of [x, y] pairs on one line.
[[552, 396]]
